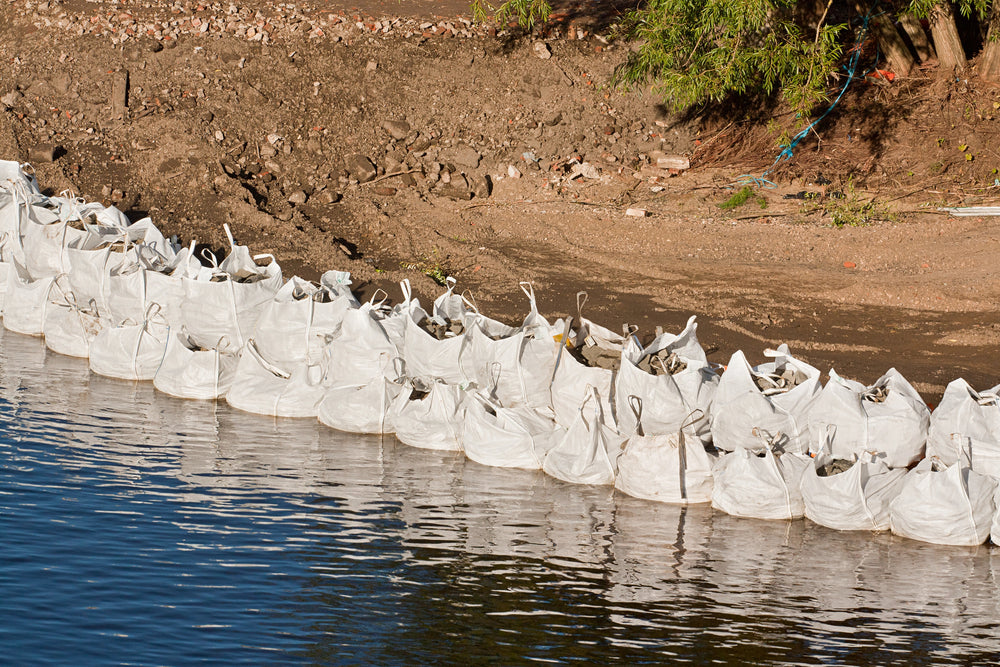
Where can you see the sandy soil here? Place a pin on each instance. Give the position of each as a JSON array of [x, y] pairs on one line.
[[415, 144]]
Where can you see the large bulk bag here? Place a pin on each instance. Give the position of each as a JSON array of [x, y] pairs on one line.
[[357, 354], [46, 233], [974, 418], [941, 504], [588, 359], [672, 378], [131, 351], [430, 418], [69, 327], [517, 437], [365, 407], [26, 302], [666, 467], [586, 452], [762, 483], [17, 189], [436, 356], [151, 278], [230, 301], [295, 324], [195, 368], [772, 397], [263, 387], [854, 499], [525, 355], [888, 417]]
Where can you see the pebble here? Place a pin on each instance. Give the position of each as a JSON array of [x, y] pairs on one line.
[[636, 212], [45, 153], [397, 129], [542, 50], [513, 171], [298, 197]]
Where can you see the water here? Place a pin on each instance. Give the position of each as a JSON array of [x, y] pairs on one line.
[[141, 529]]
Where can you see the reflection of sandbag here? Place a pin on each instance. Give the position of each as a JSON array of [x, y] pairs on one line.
[[70, 328], [131, 351], [855, 499], [230, 301], [668, 394], [573, 380], [362, 408], [26, 302], [526, 356], [517, 437], [294, 325], [262, 387], [774, 397], [889, 418], [944, 505], [667, 467], [195, 369], [586, 452], [427, 356], [974, 417], [430, 419], [760, 485]]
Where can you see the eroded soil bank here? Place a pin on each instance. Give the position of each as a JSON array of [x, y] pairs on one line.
[[417, 145]]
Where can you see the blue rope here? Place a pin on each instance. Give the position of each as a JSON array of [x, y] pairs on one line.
[[787, 153]]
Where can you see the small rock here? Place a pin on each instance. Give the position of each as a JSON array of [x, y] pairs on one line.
[[284, 216], [119, 95], [45, 153], [462, 155], [673, 162], [267, 151], [371, 66], [360, 167], [328, 197], [542, 50], [481, 186], [11, 98], [408, 180], [298, 197], [554, 120], [220, 136], [636, 212], [273, 138], [397, 129], [513, 171], [385, 191]]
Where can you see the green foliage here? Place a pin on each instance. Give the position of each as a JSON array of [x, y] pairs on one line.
[[697, 51], [525, 12], [852, 211], [977, 8], [741, 197]]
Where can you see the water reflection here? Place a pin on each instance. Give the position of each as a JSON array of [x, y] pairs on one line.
[[142, 528]]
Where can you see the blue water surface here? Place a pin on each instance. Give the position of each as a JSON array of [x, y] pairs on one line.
[[136, 528]]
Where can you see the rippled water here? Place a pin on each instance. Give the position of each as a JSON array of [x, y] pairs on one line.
[[141, 529]]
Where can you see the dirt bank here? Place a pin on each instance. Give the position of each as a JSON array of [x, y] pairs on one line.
[[411, 147]]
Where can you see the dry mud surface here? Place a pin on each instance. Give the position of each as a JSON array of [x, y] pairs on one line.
[[416, 144]]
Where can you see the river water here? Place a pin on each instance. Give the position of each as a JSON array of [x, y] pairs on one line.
[[136, 528]]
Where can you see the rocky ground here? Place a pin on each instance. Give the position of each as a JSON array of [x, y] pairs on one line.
[[416, 146]]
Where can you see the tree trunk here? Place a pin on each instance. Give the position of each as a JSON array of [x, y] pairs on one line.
[[947, 43], [918, 38], [989, 63], [890, 41]]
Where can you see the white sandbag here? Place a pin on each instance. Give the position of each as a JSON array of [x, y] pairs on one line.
[[69, 328], [586, 452], [687, 385], [17, 189], [263, 387], [364, 408], [973, 417], [426, 356], [295, 324], [13, 174], [46, 232], [855, 499], [888, 417], [944, 505], [194, 368], [150, 278], [517, 437], [131, 351], [741, 406], [526, 356], [573, 381], [230, 302], [357, 354], [430, 419], [26, 302], [666, 467], [761, 484]]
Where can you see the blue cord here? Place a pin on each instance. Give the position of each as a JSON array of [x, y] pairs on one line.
[[787, 152]]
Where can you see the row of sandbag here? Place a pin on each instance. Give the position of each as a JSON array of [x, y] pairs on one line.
[[532, 396]]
